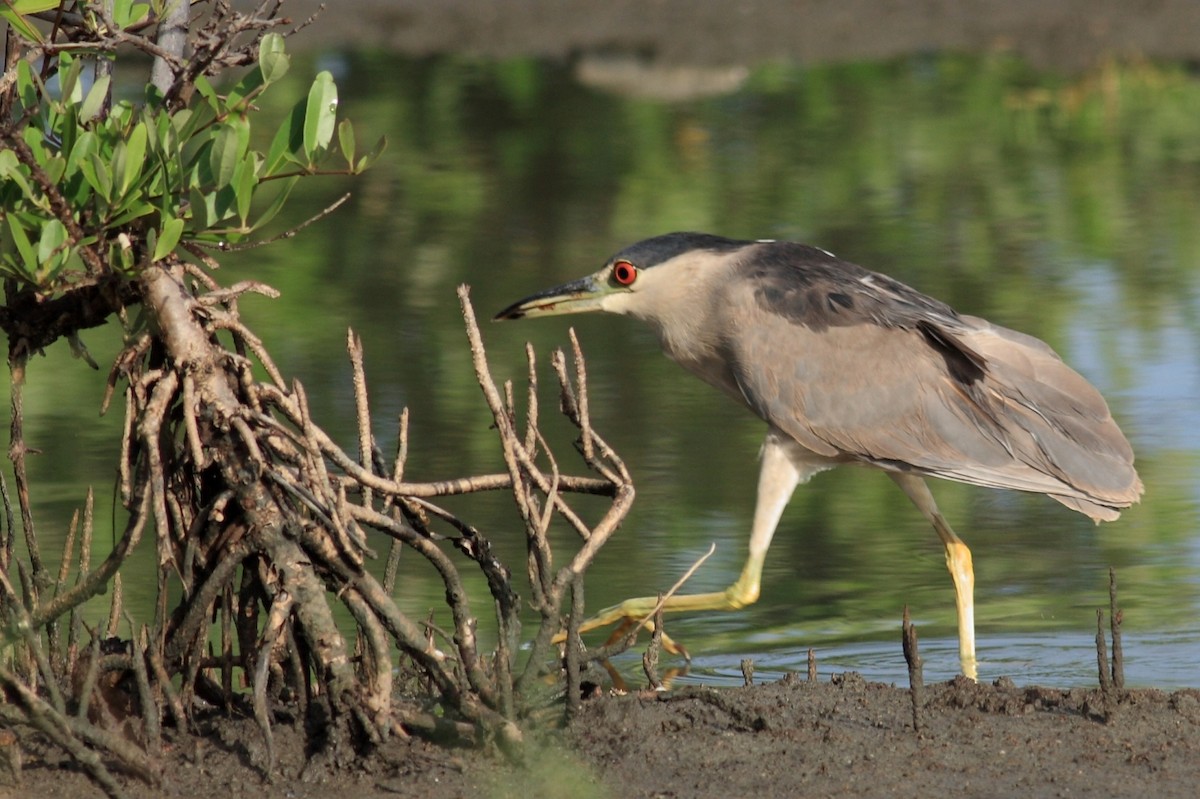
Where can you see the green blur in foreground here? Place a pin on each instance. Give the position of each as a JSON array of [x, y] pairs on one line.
[[1063, 206]]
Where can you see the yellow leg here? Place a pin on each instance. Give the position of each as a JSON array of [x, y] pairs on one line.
[[958, 561], [777, 479]]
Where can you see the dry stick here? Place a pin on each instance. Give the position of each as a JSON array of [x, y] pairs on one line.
[[17, 608], [126, 463], [114, 610], [150, 710], [68, 550], [521, 466], [585, 424], [85, 556], [149, 431], [191, 425], [10, 540], [405, 632], [299, 676], [16, 453], [256, 346], [401, 453], [540, 556], [89, 678], [64, 568], [519, 469], [456, 595], [436, 487], [916, 679], [1116, 615], [377, 665], [191, 627], [812, 665], [747, 672], [531, 401], [1102, 653], [226, 613], [512, 446], [391, 569], [600, 533], [281, 607], [212, 286], [650, 656], [124, 365], [173, 699], [574, 408], [441, 488], [29, 598], [290, 232], [574, 646], [320, 478], [362, 410], [228, 296]]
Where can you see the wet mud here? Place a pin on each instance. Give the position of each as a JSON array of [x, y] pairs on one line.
[[840, 736]]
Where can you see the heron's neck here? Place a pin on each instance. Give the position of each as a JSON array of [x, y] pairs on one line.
[[679, 305]]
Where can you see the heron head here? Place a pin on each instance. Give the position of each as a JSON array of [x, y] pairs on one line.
[[631, 272]]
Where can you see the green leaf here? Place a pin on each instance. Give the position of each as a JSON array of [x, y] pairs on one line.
[[54, 236], [24, 247], [98, 175], [86, 146], [31, 6], [135, 155], [246, 180], [346, 140], [54, 168], [370, 157], [224, 203], [127, 12], [68, 75], [276, 204], [203, 208], [320, 115], [11, 169], [223, 158], [248, 86], [171, 231], [208, 92], [288, 141], [19, 23], [131, 211], [94, 101], [272, 60], [29, 85]]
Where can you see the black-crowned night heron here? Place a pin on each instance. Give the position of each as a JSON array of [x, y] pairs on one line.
[[848, 366]]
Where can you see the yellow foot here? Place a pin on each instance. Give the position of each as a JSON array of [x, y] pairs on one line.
[[624, 625], [630, 615]]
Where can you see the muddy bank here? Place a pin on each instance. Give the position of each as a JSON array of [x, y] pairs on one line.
[[840, 737], [1072, 34]]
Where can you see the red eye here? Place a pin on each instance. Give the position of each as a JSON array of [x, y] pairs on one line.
[[624, 273]]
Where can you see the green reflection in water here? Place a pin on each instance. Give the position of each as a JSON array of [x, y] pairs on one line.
[[1064, 207]]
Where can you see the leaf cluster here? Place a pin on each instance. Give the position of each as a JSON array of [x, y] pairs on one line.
[[90, 187]]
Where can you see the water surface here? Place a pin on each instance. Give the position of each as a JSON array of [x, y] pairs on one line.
[[1063, 206]]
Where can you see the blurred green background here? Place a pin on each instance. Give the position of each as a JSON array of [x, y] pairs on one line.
[[1063, 205]]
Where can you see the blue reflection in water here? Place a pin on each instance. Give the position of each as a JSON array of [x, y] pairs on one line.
[[1163, 660]]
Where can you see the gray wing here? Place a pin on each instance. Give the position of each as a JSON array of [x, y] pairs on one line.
[[935, 393]]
